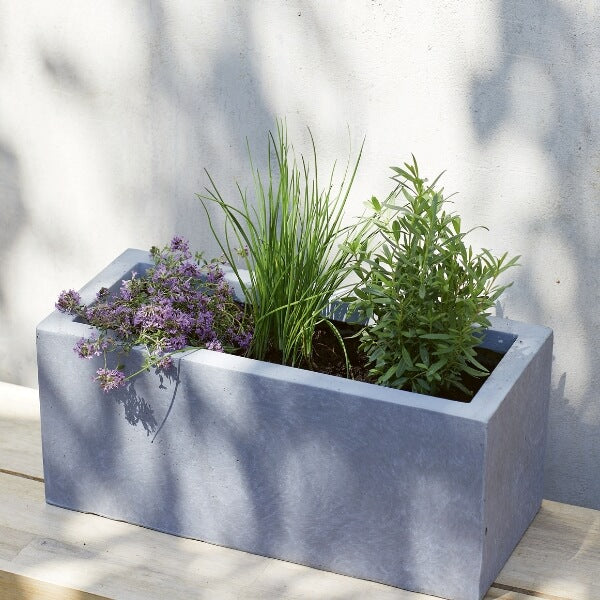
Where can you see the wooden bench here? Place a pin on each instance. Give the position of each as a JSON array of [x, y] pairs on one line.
[[51, 553]]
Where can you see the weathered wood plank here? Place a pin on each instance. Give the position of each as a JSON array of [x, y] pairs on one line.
[[20, 441], [12, 541], [19, 587], [559, 555], [502, 594]]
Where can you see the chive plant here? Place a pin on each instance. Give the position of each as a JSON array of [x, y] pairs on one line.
[[293, 244]]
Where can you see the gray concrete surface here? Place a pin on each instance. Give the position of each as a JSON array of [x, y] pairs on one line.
[[422, 493]]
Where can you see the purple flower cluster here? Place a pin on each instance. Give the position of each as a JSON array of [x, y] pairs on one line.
[[92, 346], [68, 302], [178, 303], [214, 345], [178, 244], [110, 379]]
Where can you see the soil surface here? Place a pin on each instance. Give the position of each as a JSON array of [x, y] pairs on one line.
[[328, 357]]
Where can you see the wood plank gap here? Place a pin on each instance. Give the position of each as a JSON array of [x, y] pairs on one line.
[[23, 475], [526, 592], [20, 587]]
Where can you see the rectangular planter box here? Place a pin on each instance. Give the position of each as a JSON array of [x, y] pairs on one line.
[[422, 493]]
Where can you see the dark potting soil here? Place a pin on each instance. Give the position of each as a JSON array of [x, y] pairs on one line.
[[328, 358]]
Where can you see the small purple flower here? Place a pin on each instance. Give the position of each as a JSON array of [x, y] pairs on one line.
[[110, 379], [153, 316], [183, 321], [204, 324], [102, 294], [214, 273], [160, 272], [166, 362], [215, 345], [181, 245], [68, 302], [101, 315], [92, 346], [224, 288], [177, 342], [125, 290], [242, 339], [188, 269]]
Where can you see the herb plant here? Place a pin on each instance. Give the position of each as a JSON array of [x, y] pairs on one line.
[[181, 302], [426, 292], [295, 248]]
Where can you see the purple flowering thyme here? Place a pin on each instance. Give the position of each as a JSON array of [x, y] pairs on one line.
[[110, 379], [92, 346], [214, 345], [68, 302], [181, 302]]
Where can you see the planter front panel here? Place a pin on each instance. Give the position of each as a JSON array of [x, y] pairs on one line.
[[340, 475]]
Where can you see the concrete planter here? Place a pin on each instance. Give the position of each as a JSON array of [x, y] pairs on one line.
[[417, 492]]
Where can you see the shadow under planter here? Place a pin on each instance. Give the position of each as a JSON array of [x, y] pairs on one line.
[[418, 492]]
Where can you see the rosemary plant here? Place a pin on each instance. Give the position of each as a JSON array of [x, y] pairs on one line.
[[427, 294]]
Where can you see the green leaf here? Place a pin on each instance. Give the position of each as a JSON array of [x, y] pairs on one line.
[[400, 383], [402, 172], [436, 366], [474, 372], [388, 374], [406, 358], [424, 356], [436, 336], [477, 364]]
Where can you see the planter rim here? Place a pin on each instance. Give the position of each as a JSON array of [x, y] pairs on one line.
[[528, 339]]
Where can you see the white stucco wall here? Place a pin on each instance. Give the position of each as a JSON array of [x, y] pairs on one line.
[[109, 112]]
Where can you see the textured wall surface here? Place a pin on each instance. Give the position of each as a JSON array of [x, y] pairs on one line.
[[110, 111]]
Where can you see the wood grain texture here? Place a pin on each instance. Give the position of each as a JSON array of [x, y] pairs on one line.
[[500, 594], [19, 587], [559, 555], [48, 552], [20, 441]]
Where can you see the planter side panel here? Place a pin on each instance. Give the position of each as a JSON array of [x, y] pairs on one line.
[[515, 457]]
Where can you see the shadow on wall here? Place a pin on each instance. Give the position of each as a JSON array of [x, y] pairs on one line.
[[65, 73], [13, 220], [179, 116], [206, 109], [546, 41], [202, 119]]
